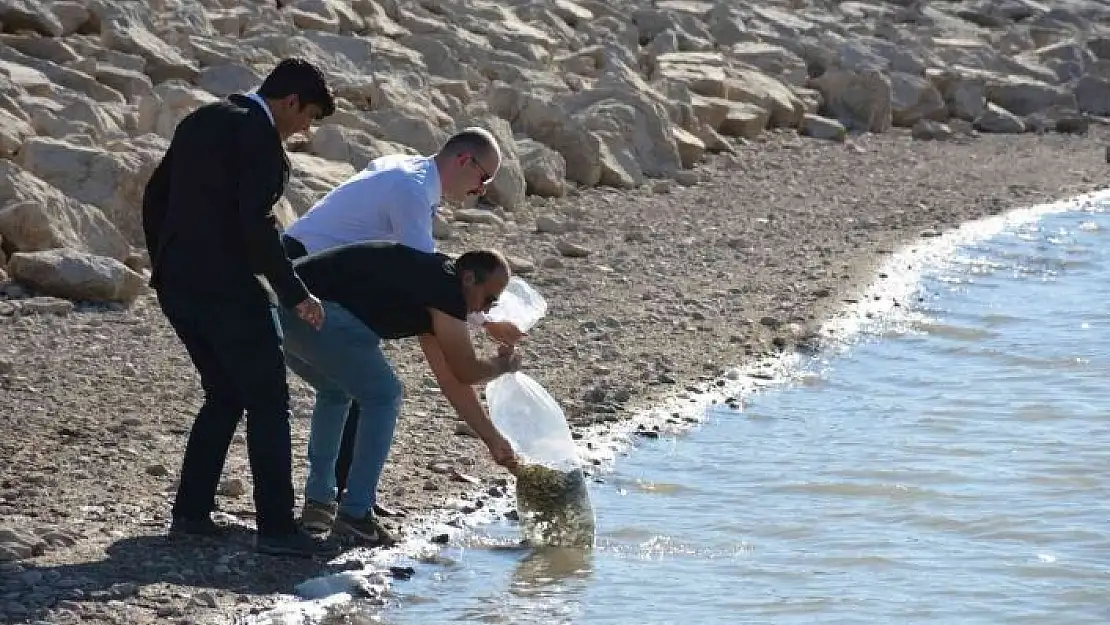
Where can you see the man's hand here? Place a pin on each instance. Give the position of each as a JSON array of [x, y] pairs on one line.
[[311, 311], [503, 453], [504, 332], [507, 359]]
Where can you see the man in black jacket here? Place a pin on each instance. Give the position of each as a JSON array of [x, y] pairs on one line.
[[217, 263]]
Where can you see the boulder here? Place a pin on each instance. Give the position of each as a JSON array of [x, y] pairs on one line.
[[996, 119], [823, 128], [35, 216], [111, 178], [1092, 95], [859, 100], [76, 275], [545, 170], [914, 98]]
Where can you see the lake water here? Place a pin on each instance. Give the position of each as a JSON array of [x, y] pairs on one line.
[[949, 462]]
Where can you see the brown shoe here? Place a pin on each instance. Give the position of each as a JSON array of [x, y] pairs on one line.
[[318, 517]]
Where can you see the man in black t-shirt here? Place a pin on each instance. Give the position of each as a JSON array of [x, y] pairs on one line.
[[380, 290]]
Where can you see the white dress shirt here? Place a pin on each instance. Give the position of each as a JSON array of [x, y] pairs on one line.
[[393, 199]]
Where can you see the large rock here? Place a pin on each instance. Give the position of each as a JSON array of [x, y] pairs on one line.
[[914, 98], [161, 111], [111, 179], [859, 100], [312, 177], [31, 15], [998, 120], [1025, 96], [964, 92], [35, 215], [13, 132], [126, 27], [545, 170], [342, 143], [76, 275], [1092, 95]]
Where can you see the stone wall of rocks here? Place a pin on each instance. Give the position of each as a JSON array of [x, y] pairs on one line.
[[581, 93]]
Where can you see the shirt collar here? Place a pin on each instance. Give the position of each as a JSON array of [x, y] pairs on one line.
[[265, 107]]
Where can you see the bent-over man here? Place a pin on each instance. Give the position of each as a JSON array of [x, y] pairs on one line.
[[375, 291], [395, 198]]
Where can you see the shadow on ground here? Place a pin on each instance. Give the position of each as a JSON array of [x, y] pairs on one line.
[[168, 576]]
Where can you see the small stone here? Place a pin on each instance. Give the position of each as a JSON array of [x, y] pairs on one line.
[[440, 467], [462, 429], [572, 250], [430, 486], [232, 487], [552, 262], [687, 178], [463, 477], [204, 599], [157, 470], [479, 216], [520, 265], [43, 305], [550, 225]]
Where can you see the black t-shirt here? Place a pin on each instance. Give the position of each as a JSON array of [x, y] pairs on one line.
[[389, 286]]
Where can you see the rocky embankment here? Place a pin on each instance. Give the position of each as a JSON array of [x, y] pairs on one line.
[[660, 187]]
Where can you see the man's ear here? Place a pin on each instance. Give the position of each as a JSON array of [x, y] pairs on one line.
[[468, 278]]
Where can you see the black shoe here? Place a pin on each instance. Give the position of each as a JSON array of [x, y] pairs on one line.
[[298, 543], [202, 526]]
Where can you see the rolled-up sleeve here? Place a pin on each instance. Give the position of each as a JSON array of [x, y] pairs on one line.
[[410, 217]]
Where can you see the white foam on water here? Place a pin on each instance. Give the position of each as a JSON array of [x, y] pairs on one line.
[[884, 306]]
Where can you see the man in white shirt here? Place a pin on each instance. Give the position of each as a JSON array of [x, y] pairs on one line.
[[395, 198]]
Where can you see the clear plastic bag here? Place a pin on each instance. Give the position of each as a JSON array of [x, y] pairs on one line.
[[553, 500], [520, 304]]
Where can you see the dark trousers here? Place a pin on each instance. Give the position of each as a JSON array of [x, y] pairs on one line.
[[295, 249], [236, 348]]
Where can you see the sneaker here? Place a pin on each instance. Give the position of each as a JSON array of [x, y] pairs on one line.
[[297, 543], [368, 530], [201, 526], [318, 517]]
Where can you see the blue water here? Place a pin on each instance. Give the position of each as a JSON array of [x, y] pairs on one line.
[[952, 466]]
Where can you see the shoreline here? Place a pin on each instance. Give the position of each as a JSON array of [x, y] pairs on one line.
[[680, 286]]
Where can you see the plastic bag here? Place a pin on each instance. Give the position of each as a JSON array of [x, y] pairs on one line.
[[519, 303], [553, 501]]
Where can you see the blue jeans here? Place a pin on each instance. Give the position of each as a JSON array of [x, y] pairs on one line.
[[344, 361]]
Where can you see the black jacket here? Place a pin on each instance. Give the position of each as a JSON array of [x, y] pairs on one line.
[[208, 207]]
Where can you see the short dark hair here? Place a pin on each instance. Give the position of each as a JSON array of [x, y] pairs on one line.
[[482, 262], [299, 77], [475, 140]]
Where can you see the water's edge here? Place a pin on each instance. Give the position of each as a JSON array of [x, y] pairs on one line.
[[881, 304]]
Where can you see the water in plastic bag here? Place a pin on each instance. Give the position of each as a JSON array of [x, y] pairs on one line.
[[553, 500]]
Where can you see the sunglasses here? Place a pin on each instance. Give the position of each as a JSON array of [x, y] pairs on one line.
[[486, 176]]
